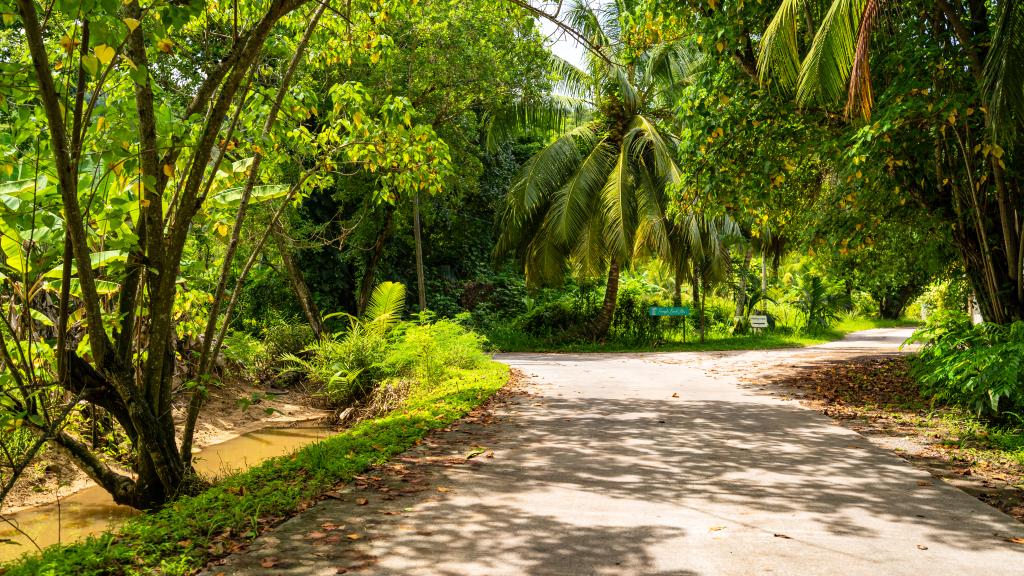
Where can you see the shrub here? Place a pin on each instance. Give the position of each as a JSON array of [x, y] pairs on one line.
[[820, 307], [244, 350], [378, 351], [429, 352], [979, 367], [948, 295], [633, 323], [560, 319], [345, 366], [283, 338]]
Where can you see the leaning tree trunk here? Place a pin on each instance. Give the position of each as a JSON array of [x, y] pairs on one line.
[[302, 293], [130, 372], [366, 286], [417, 235], [603, 323]]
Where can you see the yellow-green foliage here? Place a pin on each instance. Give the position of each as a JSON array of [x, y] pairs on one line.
[[429, 352]]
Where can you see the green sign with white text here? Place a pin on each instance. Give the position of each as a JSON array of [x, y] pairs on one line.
[[670, 311]]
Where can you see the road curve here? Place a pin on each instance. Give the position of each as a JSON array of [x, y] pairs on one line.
[[672, 464]]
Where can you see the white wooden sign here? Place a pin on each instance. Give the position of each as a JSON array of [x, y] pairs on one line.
[[758, 321]]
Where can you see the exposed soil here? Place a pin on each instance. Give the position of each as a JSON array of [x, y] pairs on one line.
[[878, 398], [231, 410]]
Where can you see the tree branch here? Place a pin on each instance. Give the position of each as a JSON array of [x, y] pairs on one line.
[[67, 179]]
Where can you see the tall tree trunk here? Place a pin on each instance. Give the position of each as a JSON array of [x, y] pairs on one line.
[[208, 354], [764, 273], [139, 393], [677, 291], [603, 322], [420, 281], [703, 308], [366, 285], [741, 290], [302, 293], [697, 303], [995, 288]]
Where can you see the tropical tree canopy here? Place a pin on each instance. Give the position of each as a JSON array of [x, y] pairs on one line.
[[595, 197]]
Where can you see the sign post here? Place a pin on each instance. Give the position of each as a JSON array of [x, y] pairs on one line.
[[676, 311], [758, 322]]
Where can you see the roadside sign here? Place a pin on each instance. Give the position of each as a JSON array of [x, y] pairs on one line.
[[670, 311], [758, 321]]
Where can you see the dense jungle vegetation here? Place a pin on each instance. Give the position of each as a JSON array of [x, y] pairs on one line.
[[362, 198]]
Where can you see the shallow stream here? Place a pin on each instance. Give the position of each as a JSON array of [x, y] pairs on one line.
[[91, 511]]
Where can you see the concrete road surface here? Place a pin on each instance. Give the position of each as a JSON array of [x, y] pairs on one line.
[[633, 464]]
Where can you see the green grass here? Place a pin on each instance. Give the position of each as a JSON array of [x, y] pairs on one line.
[[713, 342], [856, 324], [191, 531], [983, 441]]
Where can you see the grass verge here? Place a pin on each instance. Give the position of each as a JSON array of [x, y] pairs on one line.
[[713, 342], [190, 532]]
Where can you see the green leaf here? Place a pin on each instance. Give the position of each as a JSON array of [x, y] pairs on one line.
[[232, 197], [40, 317]]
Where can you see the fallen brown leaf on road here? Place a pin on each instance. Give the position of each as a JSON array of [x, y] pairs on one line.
[[1016, 540], [362, 501], [269, 562], [354, 536]]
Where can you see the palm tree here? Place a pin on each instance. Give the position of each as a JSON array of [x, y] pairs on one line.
[[594, 199], [700, 247]]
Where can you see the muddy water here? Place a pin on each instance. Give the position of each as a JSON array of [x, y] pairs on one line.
[[91, 511]]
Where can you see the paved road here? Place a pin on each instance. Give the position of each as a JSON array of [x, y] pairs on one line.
[[634, 464]]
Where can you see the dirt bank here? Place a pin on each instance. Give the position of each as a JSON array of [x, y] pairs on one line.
[[231, 411]]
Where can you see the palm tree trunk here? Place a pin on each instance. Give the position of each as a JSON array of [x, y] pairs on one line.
[[677, 296], [764, 273], [611, 292], [697, 303]]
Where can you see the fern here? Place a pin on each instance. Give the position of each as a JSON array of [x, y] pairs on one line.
[[978, 367]]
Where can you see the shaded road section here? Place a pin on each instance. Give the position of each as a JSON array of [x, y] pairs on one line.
[[672, 464]]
